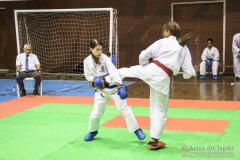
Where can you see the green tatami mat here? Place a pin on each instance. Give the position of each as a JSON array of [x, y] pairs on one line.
[[56, 132]]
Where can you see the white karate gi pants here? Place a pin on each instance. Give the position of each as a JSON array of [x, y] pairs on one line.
[[203, 68], [100, 103], [159, 83], [236, 66]]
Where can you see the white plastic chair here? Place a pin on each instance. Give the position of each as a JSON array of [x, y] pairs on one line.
[[26, 84]]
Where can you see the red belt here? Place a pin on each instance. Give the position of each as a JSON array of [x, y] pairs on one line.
[[166, 69]]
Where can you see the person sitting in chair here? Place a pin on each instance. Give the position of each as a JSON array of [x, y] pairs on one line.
[[210, 58], [27, 65]]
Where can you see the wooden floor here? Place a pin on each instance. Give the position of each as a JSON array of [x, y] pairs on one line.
[[226, 88]]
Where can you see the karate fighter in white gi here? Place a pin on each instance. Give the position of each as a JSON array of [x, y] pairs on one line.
[[98, 65], [236, 55], [167, 56]]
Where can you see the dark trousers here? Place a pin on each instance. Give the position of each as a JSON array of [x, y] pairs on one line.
[[30, 74]]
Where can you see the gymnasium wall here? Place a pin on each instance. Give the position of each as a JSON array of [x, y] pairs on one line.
[[139, 25]]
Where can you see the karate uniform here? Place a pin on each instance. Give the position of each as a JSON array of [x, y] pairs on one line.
[[210, 53], [102, 96], [236, 54], [168, 52]]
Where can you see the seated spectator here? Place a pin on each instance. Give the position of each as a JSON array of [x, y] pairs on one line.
[[210, 60], [27, 65]]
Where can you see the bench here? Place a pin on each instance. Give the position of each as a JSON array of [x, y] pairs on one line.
[[209, 70], [225, 66]]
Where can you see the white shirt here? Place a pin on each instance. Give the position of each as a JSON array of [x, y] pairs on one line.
[[210, 53], [168, 52], [32, 61], [236, 45], [106, 67]]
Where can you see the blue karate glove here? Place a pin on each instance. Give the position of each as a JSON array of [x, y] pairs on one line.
[[100, 83], [210, 60], [207, 63], [122, 92]]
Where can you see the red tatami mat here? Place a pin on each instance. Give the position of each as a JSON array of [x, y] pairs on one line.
[[175, 124], [20, 104]]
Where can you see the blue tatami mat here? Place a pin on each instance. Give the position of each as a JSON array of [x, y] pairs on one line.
[[50, 87]]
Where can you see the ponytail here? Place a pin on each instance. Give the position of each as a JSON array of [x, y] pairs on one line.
[[184, 39]]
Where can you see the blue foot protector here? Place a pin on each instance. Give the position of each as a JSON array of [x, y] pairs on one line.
[[90, 136], [139, 133]]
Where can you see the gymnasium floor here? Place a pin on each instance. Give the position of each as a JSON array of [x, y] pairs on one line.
[[203, 122]]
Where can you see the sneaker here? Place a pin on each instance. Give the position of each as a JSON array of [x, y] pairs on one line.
[[155, 144], [23, 93], [139, 133], [215, 77], [90, 136], [35, 92], [202, 77]]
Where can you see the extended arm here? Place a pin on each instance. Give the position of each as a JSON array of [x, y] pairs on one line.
[[186, 65]]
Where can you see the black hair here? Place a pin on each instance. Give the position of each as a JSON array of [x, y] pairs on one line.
[[95, 42], [210, 39], [108, 53]]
